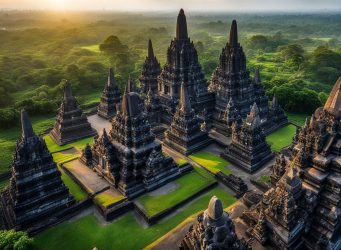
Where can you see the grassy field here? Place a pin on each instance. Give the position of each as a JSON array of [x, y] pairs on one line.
[[281, 138], [79, 145], [186, 186], [105, 199], [297, 119], [264, 179], [211, 162], [123, 233]]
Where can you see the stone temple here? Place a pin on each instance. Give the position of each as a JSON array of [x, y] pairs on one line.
[[235, 91], [182, 65], [214, 230], [71, 123], [128, 156], [110, 98], [248, 149], [305, 204], [36, 190], [150, 71], [184, 134]]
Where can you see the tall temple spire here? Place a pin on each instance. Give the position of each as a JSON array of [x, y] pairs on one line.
[[181, 26], [333, 103], [234, 34], [111, 78], [67, 90], [130, 87], [185, 104], [257, 76], [27, 130], [150, 49]]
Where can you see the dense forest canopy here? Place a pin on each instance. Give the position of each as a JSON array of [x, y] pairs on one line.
[[299, 54]]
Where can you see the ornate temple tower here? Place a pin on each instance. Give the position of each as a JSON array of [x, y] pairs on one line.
[[182, 65], [150, 71], [129, 157], [184, 134], [235, 91], [71, 123], [36, 190], [213, 230], [248, 149], [315, 167], [110, 98]]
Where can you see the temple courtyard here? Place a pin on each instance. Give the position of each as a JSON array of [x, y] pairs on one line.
[[174, 206]]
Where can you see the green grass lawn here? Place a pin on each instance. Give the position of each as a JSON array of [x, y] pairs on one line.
[[93, 48], [79, 145], [186, 186], [281, 138], [297, 119], [106, 199], [123, 233], [211, 162], [8, 138], [180, 161], [264, 179]]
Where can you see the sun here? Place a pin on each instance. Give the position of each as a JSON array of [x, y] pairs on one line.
[[58, 4]]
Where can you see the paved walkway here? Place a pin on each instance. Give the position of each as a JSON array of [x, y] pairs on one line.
[[99, 123], [91, 182]]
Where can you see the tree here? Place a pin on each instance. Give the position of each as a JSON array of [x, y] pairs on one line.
[[15, 240], [293, 54], [112, 45]]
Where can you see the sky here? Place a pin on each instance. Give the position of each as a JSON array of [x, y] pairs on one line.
[[153, 5]]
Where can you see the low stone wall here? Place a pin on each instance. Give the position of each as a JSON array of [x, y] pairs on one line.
[[262, 186], [155, 218], [231, 181], [116, 210], [60, 217]]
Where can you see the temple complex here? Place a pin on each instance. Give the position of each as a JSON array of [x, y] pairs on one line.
[[235, 91], [36, 190], [129, 157], [182, 65], [309, 215], [150, 71], [213, 230], [71, 123], [110, 98], [248, 149], [184, 134]]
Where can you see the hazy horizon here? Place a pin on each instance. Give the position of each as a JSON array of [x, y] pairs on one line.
[[162, 5]]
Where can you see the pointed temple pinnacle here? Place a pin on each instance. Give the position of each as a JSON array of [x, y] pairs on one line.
[[111, 78], [234, 34], [333, 103], [27, 130], [215, 208], [67, 90], [150, 49], [185, 104], [257, 76], [130, 87], [181, 26]]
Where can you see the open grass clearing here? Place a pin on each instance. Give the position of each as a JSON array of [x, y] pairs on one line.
[[281, 138], [211, 162], [123, 233]]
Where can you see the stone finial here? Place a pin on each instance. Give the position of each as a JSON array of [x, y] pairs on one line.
[[274, 103], [215, 208], [181, 26], [257, 76], [26, 125], [333, 103], [234, 34], [150, 49], [130, 87], [67, 90], [111, 78]]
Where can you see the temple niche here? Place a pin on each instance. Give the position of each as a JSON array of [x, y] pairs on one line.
[[128, 156], [311, 212], [235, 91], [110, 98], [150, 71], [248, 149], [182, 65], [184, 134], [71, 123], [213, 230], [36, 191]]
